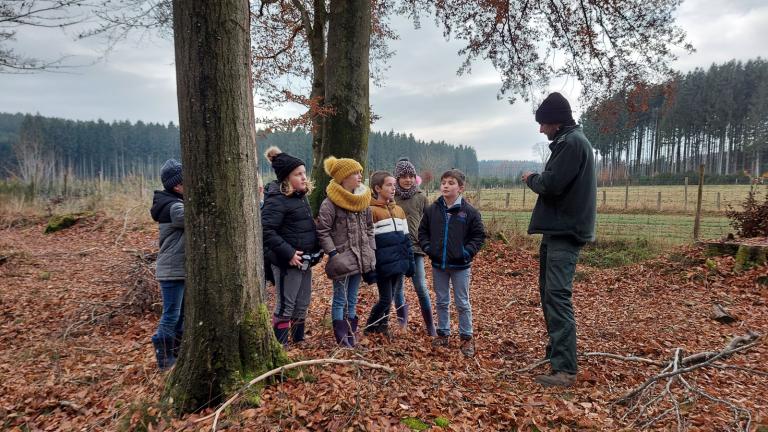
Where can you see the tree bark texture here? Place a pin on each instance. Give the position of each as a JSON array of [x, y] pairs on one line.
[[227, 332], [345, 134]]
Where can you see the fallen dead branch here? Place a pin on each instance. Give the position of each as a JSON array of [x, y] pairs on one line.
[[141, 293], [643, 398], [594, 354], [215, 415]]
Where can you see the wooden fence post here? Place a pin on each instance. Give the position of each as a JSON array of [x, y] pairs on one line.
[[524, 188], [685, 195], [507, 204], [626, 194], [718, 201], [658, 202], [603, 197], [697, 220]]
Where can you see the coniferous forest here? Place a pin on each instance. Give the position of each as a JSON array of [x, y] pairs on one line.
[[717, 117], [44, 148]]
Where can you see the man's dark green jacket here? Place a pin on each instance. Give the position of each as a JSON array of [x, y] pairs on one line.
[[567, 188]]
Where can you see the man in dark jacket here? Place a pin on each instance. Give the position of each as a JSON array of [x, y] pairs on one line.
[[168, 211], [565, 214]]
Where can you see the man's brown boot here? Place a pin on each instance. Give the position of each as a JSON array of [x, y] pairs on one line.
[[468, 347], [556, 379], [440, 341]]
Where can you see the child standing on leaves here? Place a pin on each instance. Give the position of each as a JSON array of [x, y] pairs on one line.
[[411, 199], [394, 254], [451, 233], [345, 231], [168, 211], [290, 236]]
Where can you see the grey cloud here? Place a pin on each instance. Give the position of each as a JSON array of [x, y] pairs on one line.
[[421, 95]]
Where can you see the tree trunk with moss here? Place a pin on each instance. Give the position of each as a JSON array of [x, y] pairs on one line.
[[227, 330], [345, 134]]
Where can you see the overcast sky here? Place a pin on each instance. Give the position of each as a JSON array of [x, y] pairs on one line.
[[421, 94]]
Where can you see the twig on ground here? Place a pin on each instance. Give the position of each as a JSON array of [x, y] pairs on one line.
[[125, 223], [215, 415], [594, 354], [674, 372]]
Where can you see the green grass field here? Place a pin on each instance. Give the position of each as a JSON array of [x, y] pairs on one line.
[[663, 199], [669, 229]]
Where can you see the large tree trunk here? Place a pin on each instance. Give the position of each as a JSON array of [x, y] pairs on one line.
[[345, 134], [315, 28], [227, 331]]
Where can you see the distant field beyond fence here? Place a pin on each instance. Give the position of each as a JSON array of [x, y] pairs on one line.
[[662, 214], [665, 199]]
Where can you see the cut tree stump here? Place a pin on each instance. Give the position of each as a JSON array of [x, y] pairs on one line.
[[748, 252]]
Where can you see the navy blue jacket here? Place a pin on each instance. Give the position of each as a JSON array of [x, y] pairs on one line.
[[451, 237]]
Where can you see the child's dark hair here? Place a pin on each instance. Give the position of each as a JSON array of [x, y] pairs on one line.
[[456, 175], [377, 179]]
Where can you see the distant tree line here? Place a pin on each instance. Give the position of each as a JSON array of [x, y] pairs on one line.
[[505, 173], [36, 148], [718, 117]]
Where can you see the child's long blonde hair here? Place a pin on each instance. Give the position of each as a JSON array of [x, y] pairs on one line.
[[285, 186]]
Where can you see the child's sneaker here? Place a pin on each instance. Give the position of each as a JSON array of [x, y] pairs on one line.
[[468, 346], [440, 341]]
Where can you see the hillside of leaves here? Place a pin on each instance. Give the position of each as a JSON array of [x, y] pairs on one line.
[[78, 308]]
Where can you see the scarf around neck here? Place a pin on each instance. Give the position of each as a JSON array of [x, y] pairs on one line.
[[406, 193], [355, 201]]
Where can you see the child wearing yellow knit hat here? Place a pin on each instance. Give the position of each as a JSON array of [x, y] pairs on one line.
[[345, 232]]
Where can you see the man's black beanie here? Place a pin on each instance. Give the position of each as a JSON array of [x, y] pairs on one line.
[[555, 109]]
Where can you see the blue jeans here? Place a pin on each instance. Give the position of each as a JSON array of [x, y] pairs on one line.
[[419, 280], [172, 321], [459, 279], [345, 297]]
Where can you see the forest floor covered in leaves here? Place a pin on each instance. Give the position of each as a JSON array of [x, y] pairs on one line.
[[77, 309]]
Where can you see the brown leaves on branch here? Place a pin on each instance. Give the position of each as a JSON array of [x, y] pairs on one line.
[[607, 45]]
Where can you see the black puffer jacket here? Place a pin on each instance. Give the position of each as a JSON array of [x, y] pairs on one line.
[[288, 226]]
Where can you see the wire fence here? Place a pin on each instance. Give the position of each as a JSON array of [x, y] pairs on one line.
[[659, 213]]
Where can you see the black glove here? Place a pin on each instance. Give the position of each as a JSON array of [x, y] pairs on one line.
[[370, 277], [411, 268]]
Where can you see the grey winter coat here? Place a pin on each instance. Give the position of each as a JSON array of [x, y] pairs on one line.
[[350, 234], [168, 211]]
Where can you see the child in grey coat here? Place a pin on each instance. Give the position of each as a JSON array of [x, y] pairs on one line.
[[168, 210]]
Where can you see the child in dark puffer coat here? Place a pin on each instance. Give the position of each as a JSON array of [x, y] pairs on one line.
[[394, 253], [290, 243]]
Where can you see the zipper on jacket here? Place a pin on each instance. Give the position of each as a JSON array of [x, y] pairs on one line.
[[445, 238]]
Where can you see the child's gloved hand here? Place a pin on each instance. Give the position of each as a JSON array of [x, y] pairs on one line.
[[370, 277], [411, 269]]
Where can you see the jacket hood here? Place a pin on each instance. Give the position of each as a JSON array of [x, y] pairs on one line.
[[160, 200]]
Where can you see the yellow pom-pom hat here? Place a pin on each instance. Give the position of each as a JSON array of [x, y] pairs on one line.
[[341, 168]]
